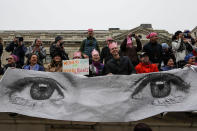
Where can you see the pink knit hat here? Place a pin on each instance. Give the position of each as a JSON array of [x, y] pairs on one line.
[[90, 30], [152, 34], [109, 39], [15, 58]]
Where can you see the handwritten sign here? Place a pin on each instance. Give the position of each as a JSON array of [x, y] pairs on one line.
[[76, 66]]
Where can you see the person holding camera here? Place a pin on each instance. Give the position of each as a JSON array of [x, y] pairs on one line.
[[187, 35], [10, 47], [179, 48], [37, 49], [16, 47], [128, 49], [189, 41], [58, 47]]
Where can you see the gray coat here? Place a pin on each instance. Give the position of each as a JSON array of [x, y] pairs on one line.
[[41, 54]]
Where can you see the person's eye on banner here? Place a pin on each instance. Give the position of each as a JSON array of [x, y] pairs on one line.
[[162, 88], [25, 91]]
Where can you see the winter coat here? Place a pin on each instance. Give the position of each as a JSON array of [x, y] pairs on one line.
[[179, 50], [58, 50], [122, 66], [36, 67], [131, 52], [105, 54], [146, 68], [154, 51]]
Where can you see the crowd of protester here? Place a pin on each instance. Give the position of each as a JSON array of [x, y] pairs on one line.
[[129, 59]]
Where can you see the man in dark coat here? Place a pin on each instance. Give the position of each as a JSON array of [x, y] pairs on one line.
[[153, 49], [120, 65]]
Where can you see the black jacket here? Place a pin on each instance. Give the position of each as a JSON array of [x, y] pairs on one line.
[[105, 54], [154, 51], [123, 66], [58, 50], [166, 55]]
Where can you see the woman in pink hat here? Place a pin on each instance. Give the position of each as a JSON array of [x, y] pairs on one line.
[[12, 59], [96, 68]]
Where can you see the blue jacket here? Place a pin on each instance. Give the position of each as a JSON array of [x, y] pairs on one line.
[[36, 67]]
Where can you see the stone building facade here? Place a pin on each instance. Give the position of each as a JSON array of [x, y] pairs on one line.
[[194, 32], [73, 38]]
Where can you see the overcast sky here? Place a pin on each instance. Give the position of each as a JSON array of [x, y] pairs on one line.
[[170, 15]]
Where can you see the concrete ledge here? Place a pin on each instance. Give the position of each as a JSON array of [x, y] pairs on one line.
[[170, 122]]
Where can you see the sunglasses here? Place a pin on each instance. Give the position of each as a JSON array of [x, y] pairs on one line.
[[9, 58]]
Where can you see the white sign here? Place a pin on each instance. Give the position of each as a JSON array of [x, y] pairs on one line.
[[76, 66], [117, 98]]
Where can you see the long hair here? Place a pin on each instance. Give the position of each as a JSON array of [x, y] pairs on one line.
[[34, 43], [174, 37]]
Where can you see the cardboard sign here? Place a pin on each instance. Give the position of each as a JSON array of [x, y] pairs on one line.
[[76, 66]]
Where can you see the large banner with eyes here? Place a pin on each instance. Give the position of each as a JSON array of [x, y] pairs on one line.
[[117, 98]]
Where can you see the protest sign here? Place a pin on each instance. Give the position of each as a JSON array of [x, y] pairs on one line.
[[76, 66]]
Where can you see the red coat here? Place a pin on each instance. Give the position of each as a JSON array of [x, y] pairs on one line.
[[144, 68], [194, 53]]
